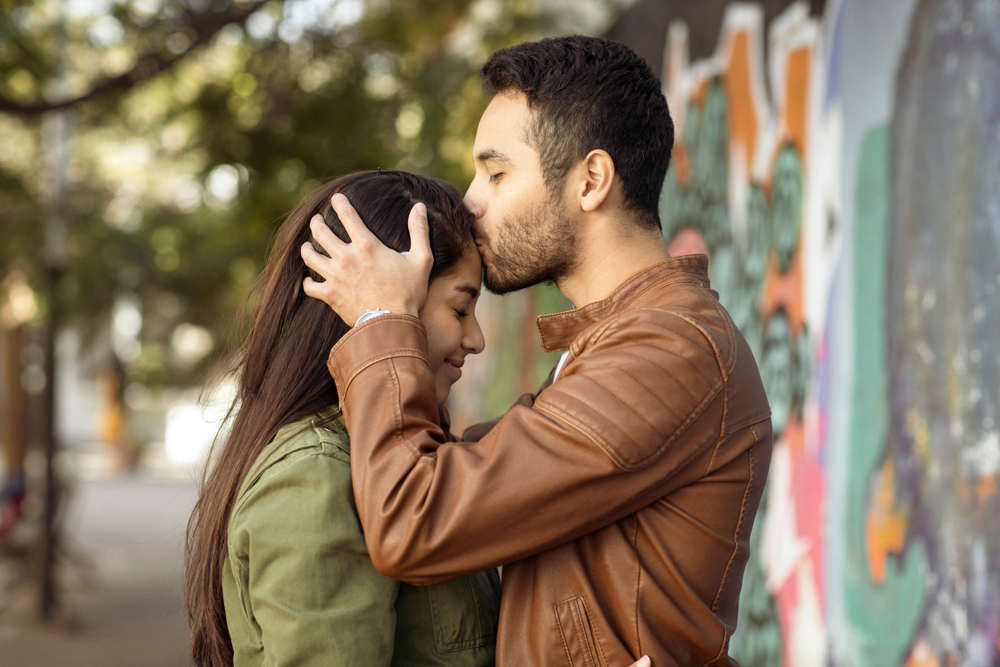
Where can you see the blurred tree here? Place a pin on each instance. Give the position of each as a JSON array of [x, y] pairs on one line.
[[199, 123]]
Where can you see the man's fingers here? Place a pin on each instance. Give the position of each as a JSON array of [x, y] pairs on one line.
[[324, 236], [312, 288], [355, 226], [314, 260], [420, 241]]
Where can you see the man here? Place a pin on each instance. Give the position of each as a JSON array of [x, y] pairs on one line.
[[620, 498]]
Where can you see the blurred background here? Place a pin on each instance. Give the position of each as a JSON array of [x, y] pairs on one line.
[[838, 160]]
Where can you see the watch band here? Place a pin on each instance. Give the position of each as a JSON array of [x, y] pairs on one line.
[[370, 313]]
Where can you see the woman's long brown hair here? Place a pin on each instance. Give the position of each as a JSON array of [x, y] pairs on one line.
[[281, 366]]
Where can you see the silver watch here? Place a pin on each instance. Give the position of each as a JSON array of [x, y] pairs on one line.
[[370, 313]]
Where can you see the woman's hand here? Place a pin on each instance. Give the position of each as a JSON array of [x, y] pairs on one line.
[[364, 274], [644, 661]]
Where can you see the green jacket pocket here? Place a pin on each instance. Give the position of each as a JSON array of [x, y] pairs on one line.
[[465, 612]]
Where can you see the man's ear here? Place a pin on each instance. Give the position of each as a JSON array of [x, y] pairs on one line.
[[597, 174]]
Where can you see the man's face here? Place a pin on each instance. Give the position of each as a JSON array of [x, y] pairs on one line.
[[523, 231]]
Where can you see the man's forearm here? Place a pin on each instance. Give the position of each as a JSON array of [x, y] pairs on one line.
[[434, 511]]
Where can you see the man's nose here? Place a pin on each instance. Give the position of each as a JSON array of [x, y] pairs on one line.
[[477, 209]]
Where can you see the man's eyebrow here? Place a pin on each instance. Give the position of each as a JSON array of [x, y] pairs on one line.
[[493, 154], [469, 289]]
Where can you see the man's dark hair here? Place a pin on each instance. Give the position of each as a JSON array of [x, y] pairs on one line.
[[591, 93]]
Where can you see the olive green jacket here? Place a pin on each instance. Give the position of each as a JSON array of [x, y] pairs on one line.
[[300, 589]]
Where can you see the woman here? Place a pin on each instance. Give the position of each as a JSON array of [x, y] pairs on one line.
[[277, 569]]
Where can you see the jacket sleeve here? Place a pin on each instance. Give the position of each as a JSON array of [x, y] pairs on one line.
[[312, 590], [597, 445]]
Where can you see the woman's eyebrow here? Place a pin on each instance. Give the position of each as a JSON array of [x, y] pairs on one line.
[[469, 289]]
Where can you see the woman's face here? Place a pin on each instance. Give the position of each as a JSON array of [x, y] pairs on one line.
[[450, 319]]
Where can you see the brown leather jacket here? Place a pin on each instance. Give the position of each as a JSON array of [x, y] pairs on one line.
[[620, 503]]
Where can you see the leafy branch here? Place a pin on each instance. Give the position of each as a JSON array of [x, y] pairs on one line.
[[205, 26]]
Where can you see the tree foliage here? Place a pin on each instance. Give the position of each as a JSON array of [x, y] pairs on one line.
[[198, 124]]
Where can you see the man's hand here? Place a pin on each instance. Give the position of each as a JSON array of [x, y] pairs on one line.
[[364, 274]]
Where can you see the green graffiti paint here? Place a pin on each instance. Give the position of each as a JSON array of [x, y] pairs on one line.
[[883, 617]]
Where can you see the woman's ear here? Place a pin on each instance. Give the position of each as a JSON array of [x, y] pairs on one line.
[[597, 174]]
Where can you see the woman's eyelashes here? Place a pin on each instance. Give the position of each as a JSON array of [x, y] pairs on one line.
[[495, 178]]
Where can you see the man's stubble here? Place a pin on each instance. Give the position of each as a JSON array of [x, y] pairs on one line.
[[530, 249]]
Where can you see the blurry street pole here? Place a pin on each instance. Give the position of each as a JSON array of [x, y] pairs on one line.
[[56, 135], [57, 129]]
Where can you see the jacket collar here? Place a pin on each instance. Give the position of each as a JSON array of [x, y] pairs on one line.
[[560, 329]]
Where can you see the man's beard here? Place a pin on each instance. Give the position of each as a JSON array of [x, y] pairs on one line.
[[530, 249]]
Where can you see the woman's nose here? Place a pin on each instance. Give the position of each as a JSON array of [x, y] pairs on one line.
[[474, 340]]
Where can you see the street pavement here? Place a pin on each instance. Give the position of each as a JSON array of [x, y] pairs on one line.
[[120, 578]]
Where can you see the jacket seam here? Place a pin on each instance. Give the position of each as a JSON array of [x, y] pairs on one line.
[[712, 343], [652, 458], [749, 421], [722, 428], [660, 285], [620, 400], [731, 362], [581, 621], [715, 351], [597, 640], [625, 304], [562, 633], [718, 441], [397, 406], [667, 372], [276, 467], [683, 464], [723, 650], [245, 601], [387, 355], [650, 391], [739, 522], [638, 582]]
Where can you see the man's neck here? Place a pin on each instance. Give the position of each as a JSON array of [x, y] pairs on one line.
[[608, 260]]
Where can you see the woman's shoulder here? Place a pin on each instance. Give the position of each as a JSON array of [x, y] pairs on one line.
[[321, 436]]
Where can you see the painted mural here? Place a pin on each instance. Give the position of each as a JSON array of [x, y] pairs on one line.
[[938, 472], [749, 119], [876, 325], [756, 185]]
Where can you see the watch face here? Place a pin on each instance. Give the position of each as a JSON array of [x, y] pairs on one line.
[[368, 314]]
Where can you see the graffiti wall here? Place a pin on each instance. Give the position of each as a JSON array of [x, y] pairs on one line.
[[748, 118], [840, 164]]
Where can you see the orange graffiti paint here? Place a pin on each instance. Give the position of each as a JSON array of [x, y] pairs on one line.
[[785, 291], [681, 164], [797, 98], [921, 656], [743, 121], [886, 524]]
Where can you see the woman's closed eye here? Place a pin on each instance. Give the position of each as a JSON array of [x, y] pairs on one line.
[[495, 178]]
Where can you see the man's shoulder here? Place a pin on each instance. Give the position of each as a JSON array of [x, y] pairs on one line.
[[683, 322]]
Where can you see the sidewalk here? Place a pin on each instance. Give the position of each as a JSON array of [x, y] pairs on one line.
[[120, 585]]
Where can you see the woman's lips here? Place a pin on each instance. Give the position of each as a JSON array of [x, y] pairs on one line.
[[455, 367]]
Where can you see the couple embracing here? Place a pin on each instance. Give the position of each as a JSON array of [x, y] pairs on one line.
[[342, 523]]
